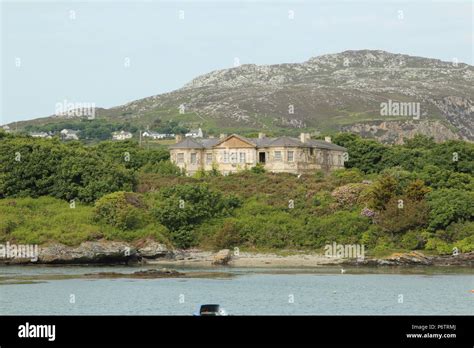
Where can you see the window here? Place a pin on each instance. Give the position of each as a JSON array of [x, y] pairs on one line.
[[311, 151], [319, 158], [226, 157], [290, 156], [208, 158], [193, 158], [233, 157], [277, 155], [180, 158], [242, 157]]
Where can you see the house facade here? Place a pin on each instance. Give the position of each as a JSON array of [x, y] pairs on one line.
[[230, 154], [40, 135], [122, 135], [69, 134], [194, 133], [155, 135]]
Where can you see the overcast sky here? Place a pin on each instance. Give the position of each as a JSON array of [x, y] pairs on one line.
[[110, 53]]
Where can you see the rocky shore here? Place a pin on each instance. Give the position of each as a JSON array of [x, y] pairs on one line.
[[151, 252]]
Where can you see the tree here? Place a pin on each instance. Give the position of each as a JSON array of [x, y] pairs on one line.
[[364, 154], [382, 191], [181, 208], [402, 214], [449, 206], [419, 141], [416, 190], [37, 167]]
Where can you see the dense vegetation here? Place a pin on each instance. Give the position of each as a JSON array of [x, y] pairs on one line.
[[414, 196]]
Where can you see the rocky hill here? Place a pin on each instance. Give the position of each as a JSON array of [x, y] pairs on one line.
[[343, 91]]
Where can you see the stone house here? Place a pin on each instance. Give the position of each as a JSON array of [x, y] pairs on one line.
[[232, 153]]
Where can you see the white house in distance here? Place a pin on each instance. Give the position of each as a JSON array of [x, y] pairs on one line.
[[6, 128], [69, 134], [122, 135], [155, 135], [194, 133], [40, 135]]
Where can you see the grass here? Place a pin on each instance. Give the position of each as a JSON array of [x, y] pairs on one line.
[[46, 219]]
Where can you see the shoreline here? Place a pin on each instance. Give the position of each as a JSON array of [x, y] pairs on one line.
[[150, 252], [196, 258], [306, 260]]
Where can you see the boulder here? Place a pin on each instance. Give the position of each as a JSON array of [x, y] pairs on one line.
[[409, 258], [222, 257], [153, 250]]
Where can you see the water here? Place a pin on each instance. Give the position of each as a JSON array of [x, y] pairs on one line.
[[250, 292]]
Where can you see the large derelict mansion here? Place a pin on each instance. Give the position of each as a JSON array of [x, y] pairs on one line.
[[232, 153]]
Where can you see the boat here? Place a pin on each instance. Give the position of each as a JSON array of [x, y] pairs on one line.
[[210, 310]]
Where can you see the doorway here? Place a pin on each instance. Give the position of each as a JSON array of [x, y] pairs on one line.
[[261, 157]]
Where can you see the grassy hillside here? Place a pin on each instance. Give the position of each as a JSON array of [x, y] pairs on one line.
[[47, 219]]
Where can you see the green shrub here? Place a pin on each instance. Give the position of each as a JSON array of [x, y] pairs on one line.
[[369, 238], [228, 236], [412, 240], [258, 169], [342, 227], [124, 210], [346, 176], [439, 246], [465, 245], [165, 168], [181, 208]]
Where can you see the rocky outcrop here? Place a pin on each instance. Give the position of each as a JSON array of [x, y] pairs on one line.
[[416, 258], [153, 250], [96, 252], [88, 252], [222, 258], [394, 132], [459, 112], [146, 274]]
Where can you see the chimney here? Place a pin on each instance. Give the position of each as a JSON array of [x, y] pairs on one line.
[[304, 137], [261, 135], [328, 139], [178, 138], [222, 136]]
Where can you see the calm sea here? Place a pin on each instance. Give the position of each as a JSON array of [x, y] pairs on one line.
[[250, 291]]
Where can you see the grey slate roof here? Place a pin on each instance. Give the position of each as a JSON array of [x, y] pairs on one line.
[[210, 142], [287, 142], [325, 145], [187, 143], [193, 143]]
